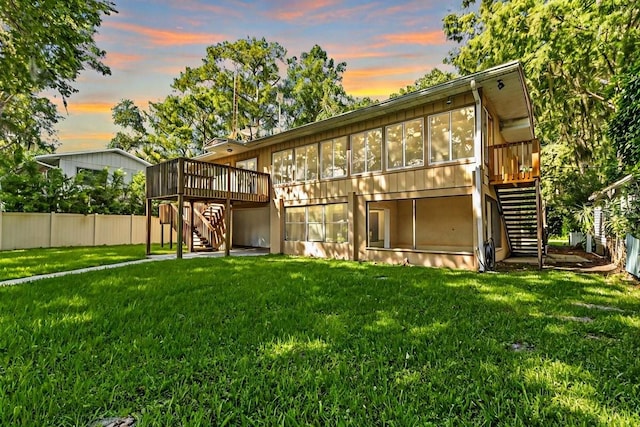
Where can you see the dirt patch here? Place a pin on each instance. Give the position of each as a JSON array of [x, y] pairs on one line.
[[563, 258]]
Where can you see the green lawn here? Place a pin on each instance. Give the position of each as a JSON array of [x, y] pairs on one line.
[[32, 262], [290, 341]]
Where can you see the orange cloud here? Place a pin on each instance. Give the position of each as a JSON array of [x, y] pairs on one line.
[[419, 38], [88, 137], [82, 107], [379, 83], [121, 60], [292, 11], [168, 37]]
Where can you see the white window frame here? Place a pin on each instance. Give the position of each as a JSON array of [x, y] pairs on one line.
[[278, 175], [366, 134], [450, 113], [333, 141], [305, 171], [403, 145], [243, 164]]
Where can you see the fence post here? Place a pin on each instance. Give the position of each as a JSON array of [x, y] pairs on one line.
[[51, 215]]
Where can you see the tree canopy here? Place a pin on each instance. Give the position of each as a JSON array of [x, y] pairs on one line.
[[44, 46], [575, 54], [239, 91]]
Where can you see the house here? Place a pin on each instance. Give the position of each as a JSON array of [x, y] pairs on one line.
[[445, 176], [616, 197], [95, 160]]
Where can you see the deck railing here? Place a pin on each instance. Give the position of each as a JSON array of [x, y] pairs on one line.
[[514, 162], [201, 180]]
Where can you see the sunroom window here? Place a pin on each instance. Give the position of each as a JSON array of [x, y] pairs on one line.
[[333, 154], [366, 151], [405, 144], [307, 163], [282, 166], [317, 223], [451, 135]]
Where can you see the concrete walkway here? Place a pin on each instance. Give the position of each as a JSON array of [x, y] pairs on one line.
[[150, 258]]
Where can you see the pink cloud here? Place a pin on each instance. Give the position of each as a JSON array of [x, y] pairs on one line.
[[424, 38], [163, 38], [122, 60]]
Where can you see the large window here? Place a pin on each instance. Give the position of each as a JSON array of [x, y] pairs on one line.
[[366, 151], [451, 135], [307, 162], [405, 144], [282, 166], [317, 223], [333, 155]]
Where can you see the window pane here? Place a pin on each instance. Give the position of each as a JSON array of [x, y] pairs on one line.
[[336, 213], [374, 154], [439, 137], [462, 126], [414, 149], [312, 162], [357, 153], [277, 168], [287, 166], [294, 232], [337, 232], [301, 163], [315, 213], [295, 214], [394, 146], [340, 156], [326, 158], [316, 232]]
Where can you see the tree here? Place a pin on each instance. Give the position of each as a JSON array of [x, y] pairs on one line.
[[43, 45], [233, 92], [624, 129], [573, 52], [128, 116], [432, 78], [313, 88]]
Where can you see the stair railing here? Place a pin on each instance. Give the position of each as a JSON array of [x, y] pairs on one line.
[[514, 161]]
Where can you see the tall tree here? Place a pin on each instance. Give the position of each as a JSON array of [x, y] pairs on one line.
[[573, 52], [43, 45], [233, 92], [313, 88]]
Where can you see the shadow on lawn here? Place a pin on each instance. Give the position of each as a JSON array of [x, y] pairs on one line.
[[331, 341]]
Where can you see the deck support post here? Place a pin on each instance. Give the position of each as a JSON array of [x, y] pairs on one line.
[[227, 217], [180, 208], [180, 227], [148, 211], [191, 215], [539, 217]]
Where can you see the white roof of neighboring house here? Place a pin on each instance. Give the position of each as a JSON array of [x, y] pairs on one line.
[[609, 190], [52, 158]]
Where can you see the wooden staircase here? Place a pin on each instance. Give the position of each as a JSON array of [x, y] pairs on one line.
[[520, 210], [208, 229]]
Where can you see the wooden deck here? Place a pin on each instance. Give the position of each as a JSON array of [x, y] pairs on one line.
[[515, 163], [195, 180]]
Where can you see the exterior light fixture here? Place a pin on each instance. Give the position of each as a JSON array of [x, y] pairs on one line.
[[449, 101], [500, 84], [229, 150]]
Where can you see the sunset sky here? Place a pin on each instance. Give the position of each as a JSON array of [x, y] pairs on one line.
[[386, 45]]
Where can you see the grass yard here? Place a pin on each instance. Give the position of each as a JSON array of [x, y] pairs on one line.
[[32, 262], [290, 341]]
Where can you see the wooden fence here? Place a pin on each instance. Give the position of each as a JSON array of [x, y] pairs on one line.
[[47, 230]]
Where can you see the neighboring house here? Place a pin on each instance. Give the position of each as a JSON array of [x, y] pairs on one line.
[[438, 177], [618, 250], [96, 160]]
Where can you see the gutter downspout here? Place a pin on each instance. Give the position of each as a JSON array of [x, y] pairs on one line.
[[476, 195]]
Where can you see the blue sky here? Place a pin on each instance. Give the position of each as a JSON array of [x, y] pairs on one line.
[[386, 45]]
